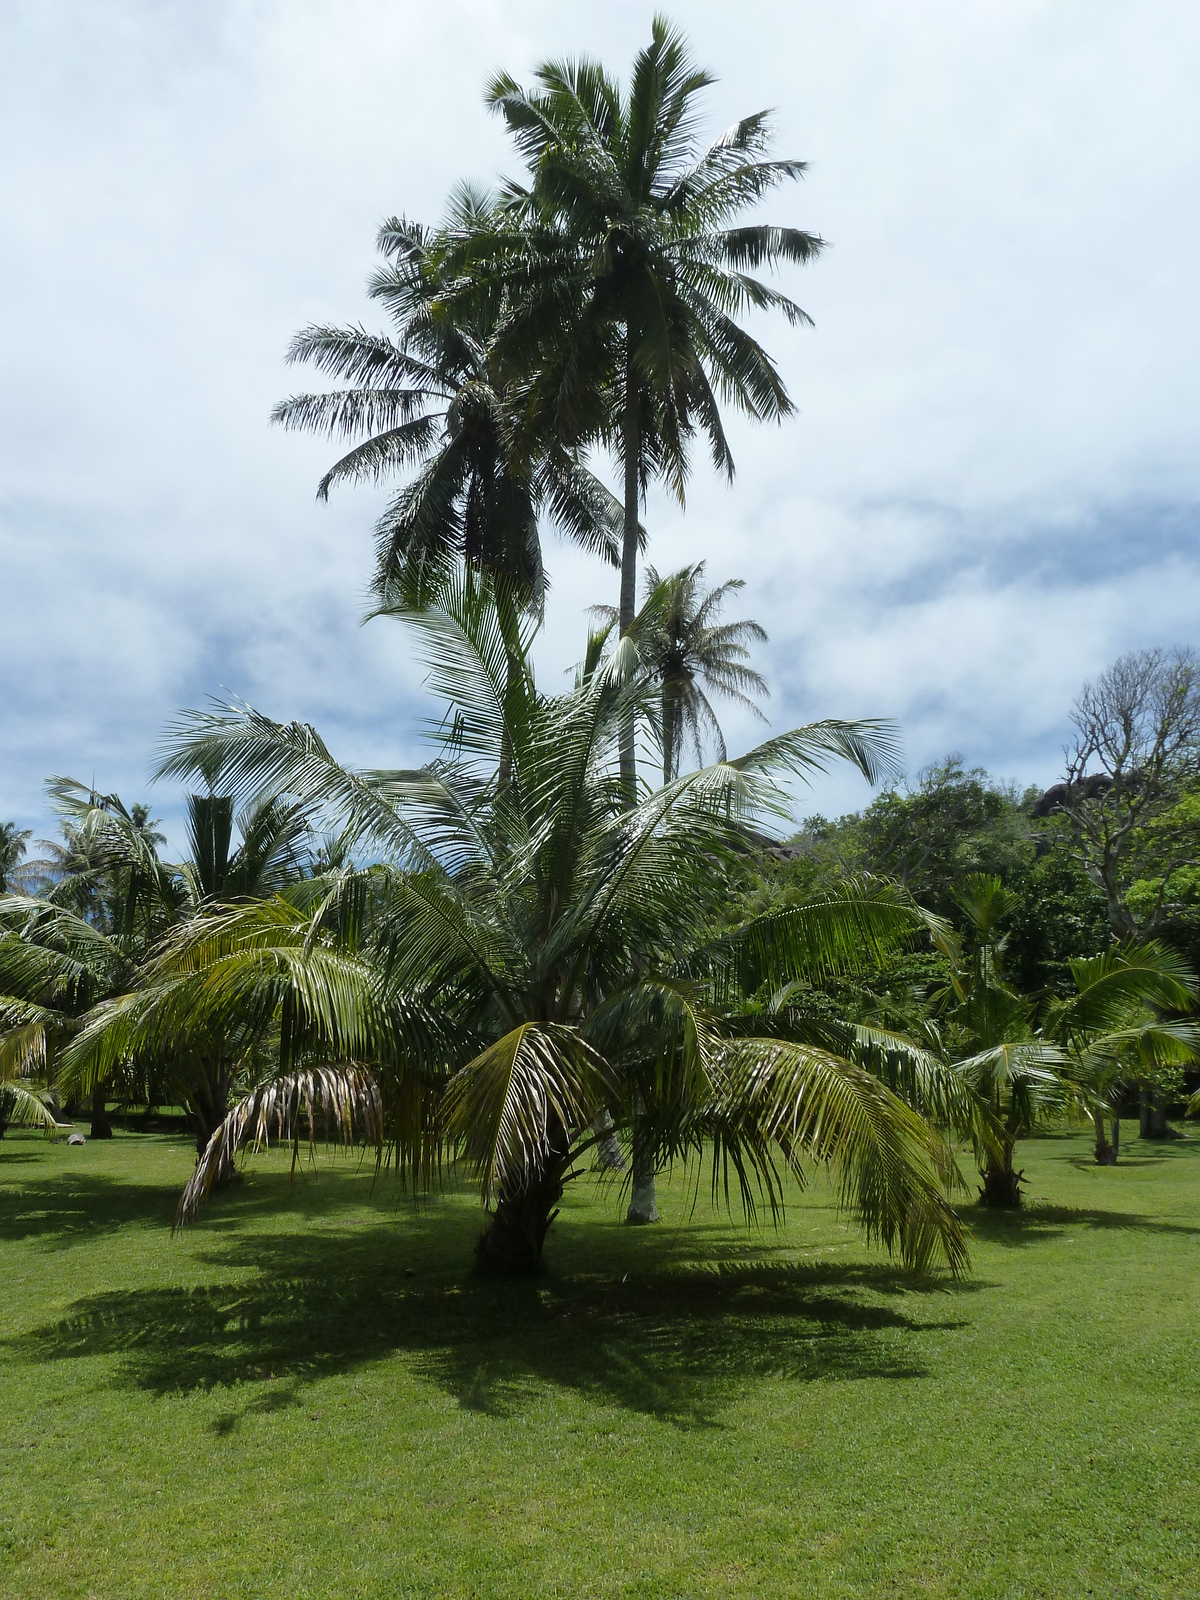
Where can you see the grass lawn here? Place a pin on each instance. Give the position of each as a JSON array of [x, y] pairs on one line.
[[309, 1395]]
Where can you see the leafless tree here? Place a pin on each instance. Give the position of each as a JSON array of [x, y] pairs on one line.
[[1136, 744], [1135, 751]]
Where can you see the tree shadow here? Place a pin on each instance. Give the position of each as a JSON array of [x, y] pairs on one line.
[[73, 1206], [674, 1328], [61, 1207], [1033, 1224]]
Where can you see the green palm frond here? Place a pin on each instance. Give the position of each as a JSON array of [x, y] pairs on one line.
[[343, 1101], [25, 1106], [891, 1163], [507, 1105]]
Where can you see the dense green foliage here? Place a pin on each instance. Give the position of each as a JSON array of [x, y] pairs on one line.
[[951, 822]]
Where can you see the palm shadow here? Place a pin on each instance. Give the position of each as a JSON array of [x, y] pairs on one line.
[[75, 1206], [1034, 1224], [673, 1327]]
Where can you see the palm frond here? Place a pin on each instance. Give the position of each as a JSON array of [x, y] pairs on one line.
[[343, 1101]]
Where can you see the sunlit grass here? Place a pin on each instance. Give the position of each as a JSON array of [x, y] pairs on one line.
[[309, 1395]]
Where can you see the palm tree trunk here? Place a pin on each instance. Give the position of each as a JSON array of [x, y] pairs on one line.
[[1001, 1189], [1116, 1139], [207, 1107], [608, 1148], [642, 1205], [101, 1126], [668, 733], [514, 667], [1105, 1154], [1152, 1116], [631, 452], [512, 1245]]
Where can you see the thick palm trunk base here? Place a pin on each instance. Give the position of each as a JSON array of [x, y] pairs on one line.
[[1152, 1118], [512, 1245], [1001, 1189]]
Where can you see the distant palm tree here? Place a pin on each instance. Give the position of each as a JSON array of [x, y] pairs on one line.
[[686, 651], [624, 269], [683, 650], [1116, 1028], [13, 844], [108, 899]]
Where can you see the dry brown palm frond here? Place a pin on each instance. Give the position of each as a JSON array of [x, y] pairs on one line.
[[345, 1100]]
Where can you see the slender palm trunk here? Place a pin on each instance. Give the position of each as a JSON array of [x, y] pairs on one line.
[[101, 1126], [1116, 1139], [1106, 1156], [642, 1207], [668, 733], [514, 667], [631, 452], [608, 1148]]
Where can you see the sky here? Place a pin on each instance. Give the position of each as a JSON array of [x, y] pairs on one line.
[[989, 491]]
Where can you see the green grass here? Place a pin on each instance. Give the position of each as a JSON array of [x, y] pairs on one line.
[[309, 1395]]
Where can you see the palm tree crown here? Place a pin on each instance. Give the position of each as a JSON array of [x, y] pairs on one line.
[[623, 269], [686, 651], [430, 400]]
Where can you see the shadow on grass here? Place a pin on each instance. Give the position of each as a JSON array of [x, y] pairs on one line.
[[1034, 1224], [72, 1206], [673, 1329]]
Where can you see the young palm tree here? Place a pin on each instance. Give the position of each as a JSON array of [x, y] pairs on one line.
[[990, 1035], [1022, 1065], [624, 266], [519, 956], [1116, 1026]]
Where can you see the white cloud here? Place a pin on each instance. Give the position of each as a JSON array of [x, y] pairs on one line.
[[990, 490]]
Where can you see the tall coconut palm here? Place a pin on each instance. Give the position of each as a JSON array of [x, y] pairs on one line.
[[625, 265], [429, 401], [518, 956]]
